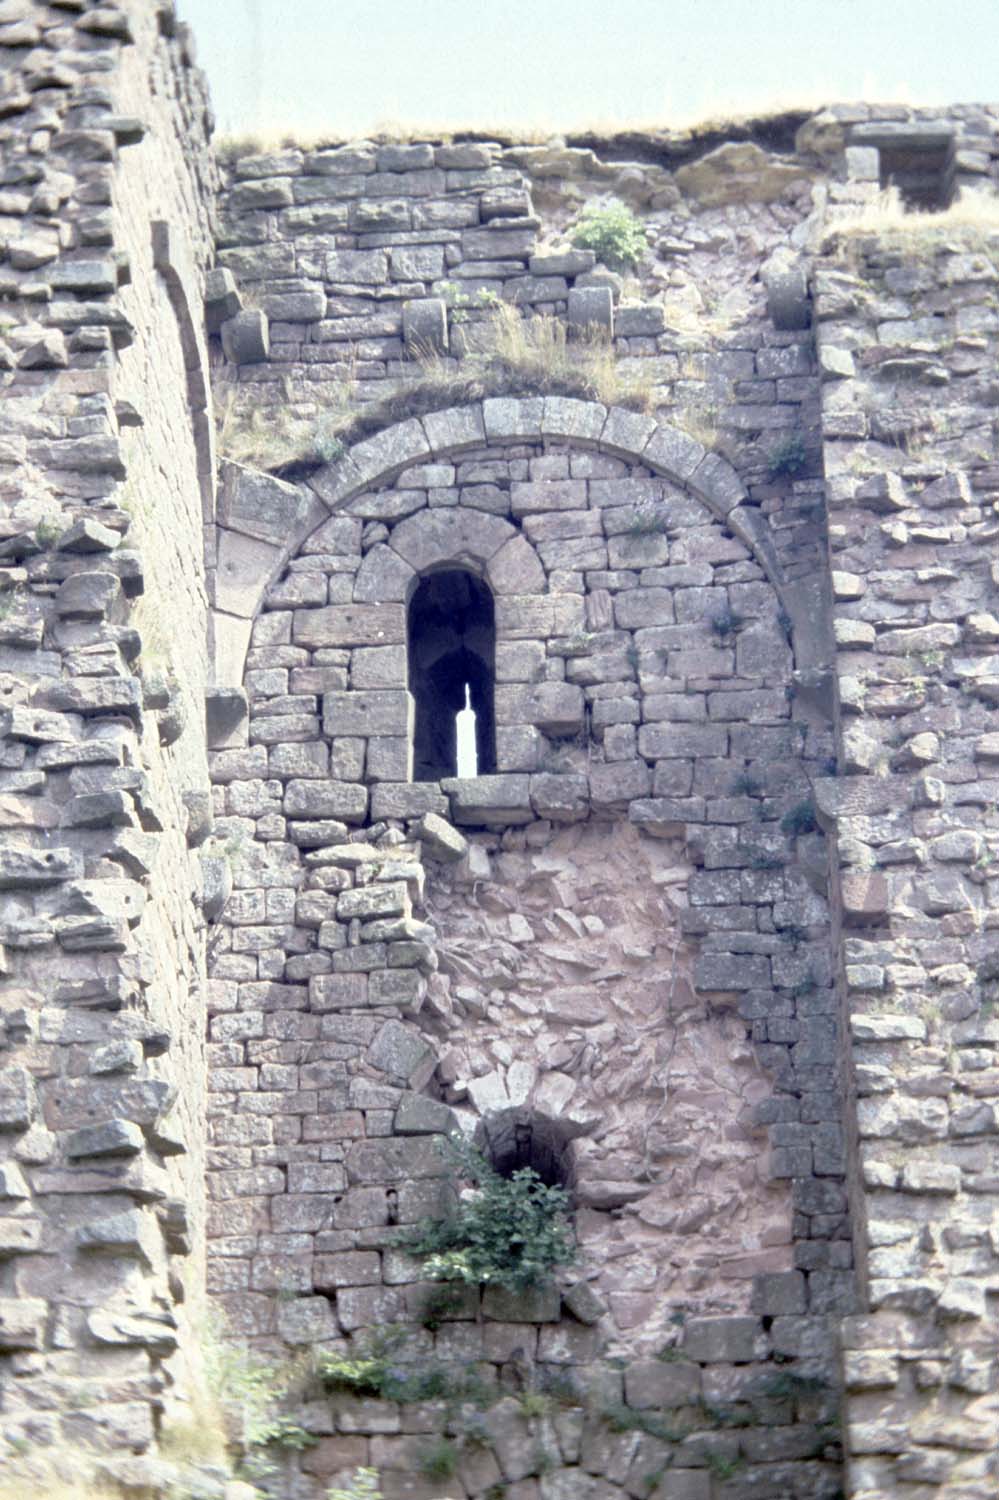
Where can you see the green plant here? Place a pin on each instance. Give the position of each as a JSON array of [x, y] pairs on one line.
[[511, 1232], [614, 234], [242, 1412], [745, 784], [648, 520], [329, 447], [788, 457], [763, 859], [47, 531], [440, 1460], [440, 1303], [363, 1486], [379, 1369], [725, 623], [535, 1403], [721, 1465], [621, 1418], [799, 819]]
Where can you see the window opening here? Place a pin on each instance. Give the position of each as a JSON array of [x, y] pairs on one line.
[[522, 1138], [452, 652], [465, 750]]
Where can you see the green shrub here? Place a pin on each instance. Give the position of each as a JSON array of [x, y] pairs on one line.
[[440, 1460], [788, 457], [799, 819], [511, 1232], [725, 623], [614, 234]]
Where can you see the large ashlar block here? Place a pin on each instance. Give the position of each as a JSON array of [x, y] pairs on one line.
[[372, 711], [490, 801], [350, 625]]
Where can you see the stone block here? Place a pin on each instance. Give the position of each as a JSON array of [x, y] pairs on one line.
[[346, 801], [438, 839], [590, 309], [401, 1052], [222, 299], [373, 711], [261, 506], [560, 797], [556, 708], [489, 801], [246, 337], [657, 1383], [350, 625], [403, 988], [22, 1323], [619, 782], [533, 1305], [17, 1098], [733, 1340], [424, 326], [115, 1138]]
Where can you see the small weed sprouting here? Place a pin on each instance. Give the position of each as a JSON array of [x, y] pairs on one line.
[[329, 448], [440, 1460], [764, 859], [745, 784], [614, 234], [799, 819], [633, 656], [535, 1404], [988, 980], [793, 934], [722, 1466], [47, 531], [363, 1486], [725, 623], [621, 1418], [788, 457], [648, 520]]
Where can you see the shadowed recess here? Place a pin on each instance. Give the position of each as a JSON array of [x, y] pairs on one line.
[[452, 645]]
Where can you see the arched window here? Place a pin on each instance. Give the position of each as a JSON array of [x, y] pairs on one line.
[[452, 650]]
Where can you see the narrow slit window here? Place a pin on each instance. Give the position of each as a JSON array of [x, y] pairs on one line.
[[452, 651]]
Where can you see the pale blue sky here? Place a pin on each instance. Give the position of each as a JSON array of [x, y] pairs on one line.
[[312, 65]]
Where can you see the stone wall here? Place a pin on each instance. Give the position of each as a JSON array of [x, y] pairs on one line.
[[104, 133], [625, 938], [358, 1013], [906, 328]]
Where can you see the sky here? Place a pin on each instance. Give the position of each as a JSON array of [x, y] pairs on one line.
[[347, 67]]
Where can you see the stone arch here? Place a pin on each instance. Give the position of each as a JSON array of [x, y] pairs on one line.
[[598, 750], [251, 554]]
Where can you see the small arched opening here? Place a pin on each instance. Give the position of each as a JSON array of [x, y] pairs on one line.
[[518, 1138], [452, 653]]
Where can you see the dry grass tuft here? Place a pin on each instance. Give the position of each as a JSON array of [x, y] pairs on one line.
[[973, 218], [518, 357]]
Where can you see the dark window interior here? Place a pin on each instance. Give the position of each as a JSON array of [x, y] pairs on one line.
[[923, 175], [452, 645], [520, 1138]]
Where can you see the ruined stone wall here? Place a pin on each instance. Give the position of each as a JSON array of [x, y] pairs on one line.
[[104, 133], [906, 329], [636, 634], [627, 934]]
